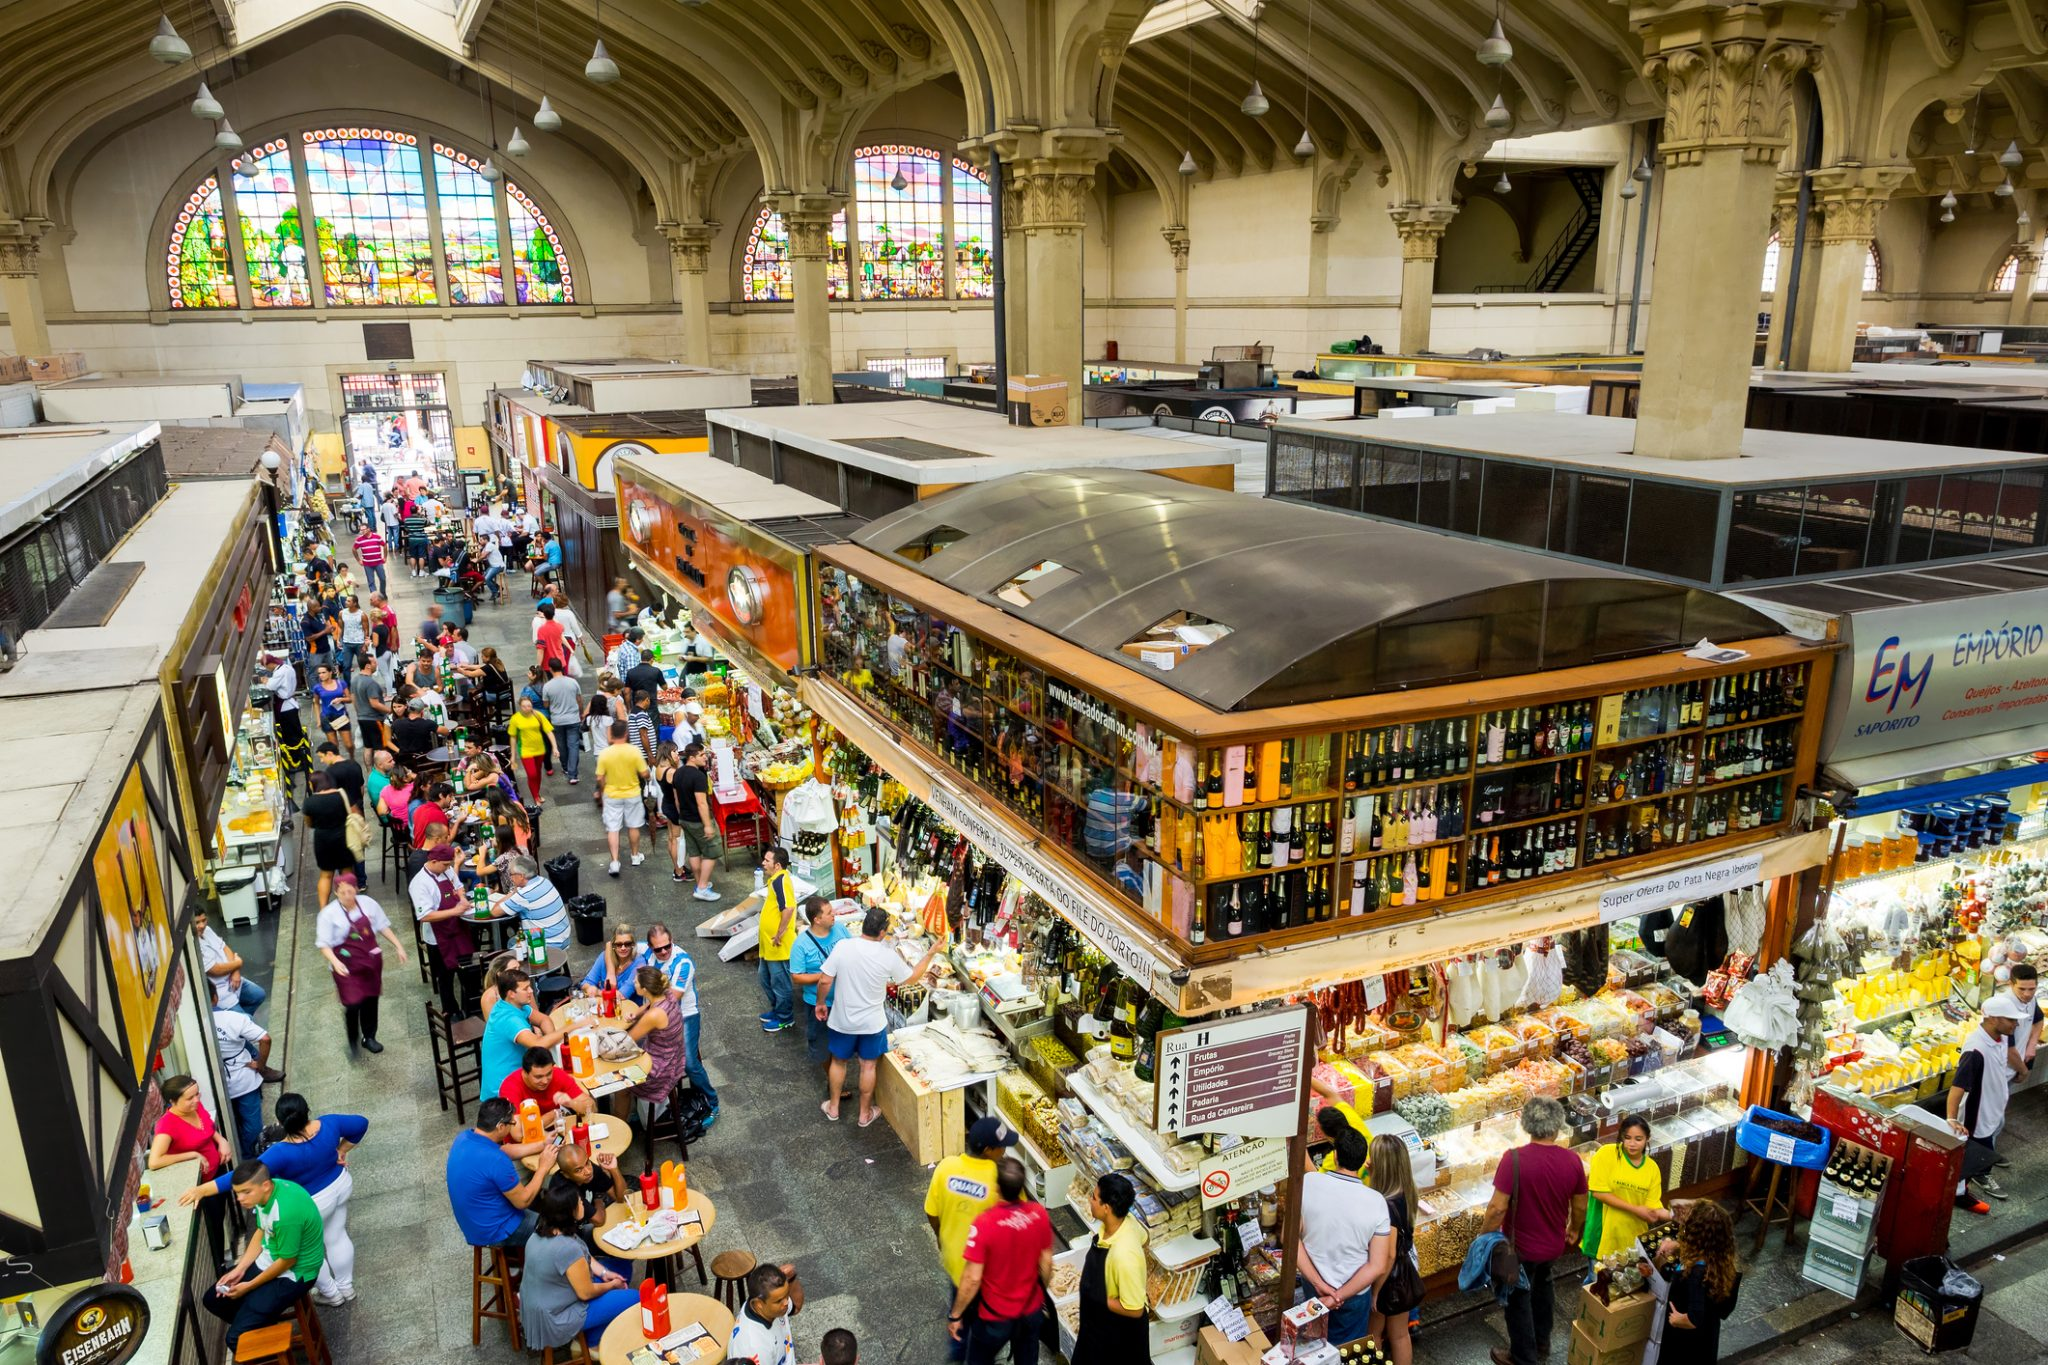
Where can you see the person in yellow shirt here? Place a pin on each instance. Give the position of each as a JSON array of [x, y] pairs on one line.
[[621, 771], [778, 938], [533, 737], [963, 1188], [1627, 1190], [1112, 1330], [1333, 1117]]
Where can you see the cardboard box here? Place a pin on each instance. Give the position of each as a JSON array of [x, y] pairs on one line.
[[1038, 400], [1214, 1348], [1621, 1322], [1584, 1350], [13, 369], [48, 369]]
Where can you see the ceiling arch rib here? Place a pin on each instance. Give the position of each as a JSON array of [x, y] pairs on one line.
[[1448, 88], [1160, 97], [1542, 79]]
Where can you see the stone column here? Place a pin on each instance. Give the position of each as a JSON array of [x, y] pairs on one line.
[[1052, 208], [1785, 219], [1177, 242], [1726, 75], [2028, 252], [1849, 198], [1016, 278], [1422, 229], [689, 248], [808, 217], [21, 287]]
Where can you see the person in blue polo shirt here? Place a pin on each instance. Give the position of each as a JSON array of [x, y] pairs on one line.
[[822, 933], [492, 1201], [673, 963]]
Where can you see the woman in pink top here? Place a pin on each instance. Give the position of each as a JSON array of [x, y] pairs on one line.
[[397, 797], [186, 1132]]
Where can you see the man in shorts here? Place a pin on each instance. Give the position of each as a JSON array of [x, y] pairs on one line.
[[851, 988], [693, 819], [621, 773]]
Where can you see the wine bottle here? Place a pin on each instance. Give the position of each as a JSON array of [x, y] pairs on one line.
[[1212, 788], [1496, 739], [1122, 1041], [1360, 883], [1408, 880]]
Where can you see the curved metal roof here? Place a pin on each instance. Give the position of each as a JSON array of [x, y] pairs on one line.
[[1320, 604]]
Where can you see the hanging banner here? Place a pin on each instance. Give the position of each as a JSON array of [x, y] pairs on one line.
[[1938, 671], [1681, 884]]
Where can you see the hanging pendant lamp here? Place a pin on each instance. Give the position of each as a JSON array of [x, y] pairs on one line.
[[2023, 222], [1497, 115], [899, 182], [1187, 163], [516, 145], [1644, 172], [1255, 103], [2004, 190], [1495, 49], [167, 47], [2011, 157], [1501, 186], [1628, 188], [1948, 215], [1948, 201], [204, 105], [1305, 148], [600, 69], [545, 118], [489, 170], [226, 138]]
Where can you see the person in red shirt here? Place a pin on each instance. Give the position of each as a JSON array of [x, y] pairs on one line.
[[429, 813], [1008, 1264], [551, 639], [370, 551], [1539, 1204], [547, 1085]]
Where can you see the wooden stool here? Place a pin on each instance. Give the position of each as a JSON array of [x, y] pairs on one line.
[[308, 1335], [270, 1345], [1769, 1210], [580, 1344], [730, 1269], [493, 1266]]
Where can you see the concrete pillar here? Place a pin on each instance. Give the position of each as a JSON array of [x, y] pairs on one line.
[[689, 249], [21, 287], [808, 217], [1421, 227], [1177, 242], [1850, 198], [1726, 75], [1016, 275], [1053, 193], [2028, 253]]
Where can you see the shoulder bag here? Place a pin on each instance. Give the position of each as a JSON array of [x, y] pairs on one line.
[[1401, 1290], [1505, 1265]]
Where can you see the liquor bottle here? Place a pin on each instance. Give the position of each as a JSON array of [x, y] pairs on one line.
[[1266, 839], [1326, 838], [1462, 748], [1360, 884], [1408, 880], [1251, 772], [1496, 739], [1234, 926], [1122, 1041], [1286, 768], [1283, 828], [1147, 1033], [1423, 831], [1212, 788], [1347, 831], [1355, 745]]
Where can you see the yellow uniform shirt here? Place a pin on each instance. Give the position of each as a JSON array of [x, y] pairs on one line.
[[619, 770], [529, 734], [962, 1189], [1123, 1269], [777, 941], [1329, 1162], [1610, 1172]]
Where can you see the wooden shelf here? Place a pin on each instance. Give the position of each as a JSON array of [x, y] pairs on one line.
[[1256, 807], [1602, 806], [1556, 817], [1705, 788], [1752, 724], [1367, 855], [1488, 769], [1682, 732], [1209, 879]]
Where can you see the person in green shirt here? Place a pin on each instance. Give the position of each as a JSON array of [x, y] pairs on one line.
[[285, 1252]]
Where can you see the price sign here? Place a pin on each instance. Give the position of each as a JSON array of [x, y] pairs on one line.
[[1846, 1208], [1778, 1148]]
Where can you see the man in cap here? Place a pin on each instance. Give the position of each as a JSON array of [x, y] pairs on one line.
[[1977, 1099], [962, 1188]]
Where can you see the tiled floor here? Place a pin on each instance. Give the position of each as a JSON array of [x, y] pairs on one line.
[[845, 1204]]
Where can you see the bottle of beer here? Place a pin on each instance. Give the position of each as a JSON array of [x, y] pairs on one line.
[[1122, 1038]]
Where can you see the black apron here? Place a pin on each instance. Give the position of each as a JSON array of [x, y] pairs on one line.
[[1105, 1337]]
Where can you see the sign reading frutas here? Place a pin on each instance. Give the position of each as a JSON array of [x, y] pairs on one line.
[[103, 1324], [1238, 1075]]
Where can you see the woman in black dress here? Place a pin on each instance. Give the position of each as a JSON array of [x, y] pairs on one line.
[[326, 814], [1703, 1289]]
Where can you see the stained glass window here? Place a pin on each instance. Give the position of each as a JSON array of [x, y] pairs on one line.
[[766, 276], [541, 266], [201, 275], [273, 240], [370, 210], [973, 225], [469, 228], [901, 230]]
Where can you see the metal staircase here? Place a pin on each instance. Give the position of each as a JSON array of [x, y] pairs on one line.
[[1570, 246]]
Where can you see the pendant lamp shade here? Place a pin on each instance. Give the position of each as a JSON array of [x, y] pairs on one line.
[[167, 47], [1255, 102], [2024, 221], [1187, 163], [1643, 171], [226, 138], [600, 69], [1497, 115], [2010, 158], [516, 145], [1495, 49], [1628, 189], [1948, 201], [2004, 190], [545, 118], [204, 105], [489, 170], [1305, 148], [1501, 186], [1948, 215], [899, 182]]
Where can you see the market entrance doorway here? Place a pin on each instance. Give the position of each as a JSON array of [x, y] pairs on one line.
[[400, 423]]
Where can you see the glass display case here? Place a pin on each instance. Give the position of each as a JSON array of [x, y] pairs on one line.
[[252, 811]]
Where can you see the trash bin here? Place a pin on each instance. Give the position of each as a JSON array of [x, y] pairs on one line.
[[454, 603], [587, 914], [565, 871], [1938, 1303]]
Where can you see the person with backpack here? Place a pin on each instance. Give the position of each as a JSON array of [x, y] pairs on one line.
[[1539, 1206]]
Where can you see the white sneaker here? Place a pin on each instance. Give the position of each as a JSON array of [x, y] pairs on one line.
[[705, 893], [639, 858], [330, 1300], [614, 868]]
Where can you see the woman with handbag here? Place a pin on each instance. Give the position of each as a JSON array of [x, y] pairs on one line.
[[1398, 1295], [1539, 1207]]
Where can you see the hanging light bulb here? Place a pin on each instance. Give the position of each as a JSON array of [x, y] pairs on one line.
[[516, 145], [1495, 49], [899, 182], [226, 138], [600, 69], [1497, 115], [243, 170], [1255, 103], [2011, 157], [545, 118], [1501, 186], [2004, 190], [489, 170], [167, 47], [1628, 189], [1643, 171], [1305, 148], [1948, 201], [204, 105], [1187, 163]]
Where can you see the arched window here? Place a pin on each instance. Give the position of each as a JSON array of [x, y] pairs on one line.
[[2008, 275], [928, 239], [201, 274], [378, 205], [1873, 271]]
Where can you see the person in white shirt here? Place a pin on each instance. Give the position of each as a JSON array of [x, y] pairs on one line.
[[851, 989], [231, 990], [494, 566], [530, 524], [387, 520], [244, 1052], [761, 1330], [1347, 1238]]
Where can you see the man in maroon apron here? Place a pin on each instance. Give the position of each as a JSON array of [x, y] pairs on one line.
[[438, 904], [346, 935]]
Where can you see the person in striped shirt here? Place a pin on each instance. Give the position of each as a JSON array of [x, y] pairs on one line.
[[535, 900]]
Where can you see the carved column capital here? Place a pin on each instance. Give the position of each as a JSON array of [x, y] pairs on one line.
[[1850, 198], [20, 246], [1177, 242], [1421, 228], [1051, 193], [808, 217], [689, 245], [1726, 72]]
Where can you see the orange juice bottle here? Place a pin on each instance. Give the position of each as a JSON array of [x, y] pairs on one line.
[[581, 1061], [529, 1121]]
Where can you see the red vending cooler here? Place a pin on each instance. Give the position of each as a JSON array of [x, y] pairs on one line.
[[1927, 1161]]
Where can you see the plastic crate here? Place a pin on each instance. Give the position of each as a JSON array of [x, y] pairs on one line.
[[1762, 1142], [1834, 1268]]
